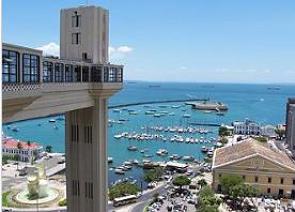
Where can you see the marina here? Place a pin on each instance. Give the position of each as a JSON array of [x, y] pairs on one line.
[[171, 131]]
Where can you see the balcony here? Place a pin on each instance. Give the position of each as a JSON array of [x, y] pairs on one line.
[[30, 100]]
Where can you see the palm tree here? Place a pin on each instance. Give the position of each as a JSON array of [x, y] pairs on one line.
[[280, 132], [48, 148], [19, 147], [202, 182]]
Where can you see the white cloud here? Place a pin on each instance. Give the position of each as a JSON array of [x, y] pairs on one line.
[[118, 54], [50, 49], [124, 49], [115, 53]]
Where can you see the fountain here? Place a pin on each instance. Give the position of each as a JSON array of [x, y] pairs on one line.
[[37, 190]]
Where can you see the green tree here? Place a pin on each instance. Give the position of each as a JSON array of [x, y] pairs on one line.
[[242, 190], [29, 143], [229, 181], [280, 132], [223, 131], [202, 182], [123, 189], [223, 140], [207, 201], [48, 148], [153, 174], [181, 181]]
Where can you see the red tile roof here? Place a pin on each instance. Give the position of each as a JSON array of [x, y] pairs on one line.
[[11, 143]]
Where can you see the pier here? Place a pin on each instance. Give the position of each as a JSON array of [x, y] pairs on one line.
[[209, 124], [157, 102]]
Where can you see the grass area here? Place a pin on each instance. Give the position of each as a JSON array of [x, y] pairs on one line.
[[5, 201]]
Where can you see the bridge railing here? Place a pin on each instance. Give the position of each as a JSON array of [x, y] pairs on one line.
[[95, 75]]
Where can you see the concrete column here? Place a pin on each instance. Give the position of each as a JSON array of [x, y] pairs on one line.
[[86, 158]]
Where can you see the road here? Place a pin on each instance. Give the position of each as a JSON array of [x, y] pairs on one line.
[[143, 200]]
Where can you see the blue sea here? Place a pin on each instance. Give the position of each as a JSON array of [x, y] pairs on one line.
[[265, 104]]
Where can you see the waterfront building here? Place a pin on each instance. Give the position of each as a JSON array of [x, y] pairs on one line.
[[77, 84], [265, 167], [290, 124], [269, 131], [26, 151], [246, 127]]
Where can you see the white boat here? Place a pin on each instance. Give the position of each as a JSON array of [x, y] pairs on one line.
[[132, 148], [119, 171], [204, 149], [118, 136], [127, 163], [157, 115], [135, 162], [149, 112], [162, 152], [116, 110], [133, 113], [186, 115], [51, 120], [175, 106], [188, 158], [15, 129], [110, 160]]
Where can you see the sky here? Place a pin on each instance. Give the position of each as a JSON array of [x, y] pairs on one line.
[[233, 41]]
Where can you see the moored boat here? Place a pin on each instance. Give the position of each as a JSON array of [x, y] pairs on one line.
[[132, 148]]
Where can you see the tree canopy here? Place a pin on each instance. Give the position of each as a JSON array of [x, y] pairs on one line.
[[234, 186], [207, 201], [223, 131], [48, 148], [123, 189], [280, 132], [181, 181], [229, 181], [153, 174]]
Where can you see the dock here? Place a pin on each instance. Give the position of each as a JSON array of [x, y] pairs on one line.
[[157, 102], [209, 124]]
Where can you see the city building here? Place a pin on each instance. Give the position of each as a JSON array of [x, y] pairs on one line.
[[290, 124], [26, 151], [265, 167], [77, 84], [246, 127], [269, 131]]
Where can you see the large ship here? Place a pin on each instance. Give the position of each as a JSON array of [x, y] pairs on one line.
[[217, 106]]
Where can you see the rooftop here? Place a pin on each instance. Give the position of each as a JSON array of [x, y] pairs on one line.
[[248, 148], [11, 143]]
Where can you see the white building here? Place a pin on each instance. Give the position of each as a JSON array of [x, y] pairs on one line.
[[26, 151], [246, 127], [269, 131]]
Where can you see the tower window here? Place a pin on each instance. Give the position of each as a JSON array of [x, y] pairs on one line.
[[76, 38], [76, 20]]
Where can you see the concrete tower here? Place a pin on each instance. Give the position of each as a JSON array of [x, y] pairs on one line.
[[290, 124], [84, 34], [78, 85]]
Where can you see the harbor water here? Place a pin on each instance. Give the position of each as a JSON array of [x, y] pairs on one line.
[[265, 104]]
